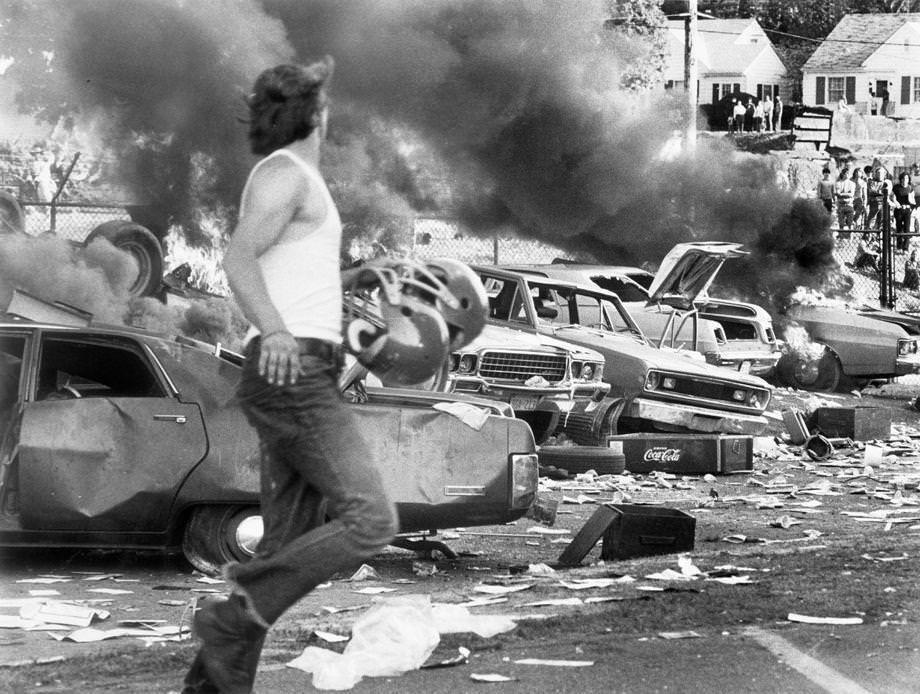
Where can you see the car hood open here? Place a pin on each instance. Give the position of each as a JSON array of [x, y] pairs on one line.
[[687, 271]]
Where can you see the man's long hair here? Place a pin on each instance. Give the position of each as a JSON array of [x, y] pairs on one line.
[[286, 104]]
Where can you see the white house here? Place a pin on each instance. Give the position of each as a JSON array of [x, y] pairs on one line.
[[732, 55], [877, 52]]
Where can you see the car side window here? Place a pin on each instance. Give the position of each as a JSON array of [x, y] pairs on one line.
[[79, 368]]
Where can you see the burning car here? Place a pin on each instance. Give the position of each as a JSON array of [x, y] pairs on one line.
[[659, 390], [541, 377], [116, 437], [843, 345], [673, 307]]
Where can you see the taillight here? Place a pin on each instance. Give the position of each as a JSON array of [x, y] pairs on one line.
[[525, 472]]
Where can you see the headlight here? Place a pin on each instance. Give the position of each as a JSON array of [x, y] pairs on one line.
[[587, 373], [454, 362], [669, 383], [467, 364], [577, 367], [652, 380], [739, 395], [906, 347], [758, 399]]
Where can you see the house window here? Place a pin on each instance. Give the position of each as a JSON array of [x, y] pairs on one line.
[[836, 89], [916, 89]]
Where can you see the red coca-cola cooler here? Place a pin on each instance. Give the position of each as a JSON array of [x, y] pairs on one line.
[[687, 454]]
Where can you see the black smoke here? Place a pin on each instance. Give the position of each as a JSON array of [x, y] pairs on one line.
[[515, 105]]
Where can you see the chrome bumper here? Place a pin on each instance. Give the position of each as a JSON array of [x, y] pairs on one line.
[[695, 418]]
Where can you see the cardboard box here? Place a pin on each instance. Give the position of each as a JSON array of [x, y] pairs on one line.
[[641, 531], [857, 423], [686, 454]]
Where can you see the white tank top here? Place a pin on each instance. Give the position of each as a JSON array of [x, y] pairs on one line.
[[302, 276]]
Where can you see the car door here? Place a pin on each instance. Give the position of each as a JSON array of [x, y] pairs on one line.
[[104, 441]]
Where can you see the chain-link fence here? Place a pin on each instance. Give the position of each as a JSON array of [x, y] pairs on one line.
[[70, 221], [442, 237]]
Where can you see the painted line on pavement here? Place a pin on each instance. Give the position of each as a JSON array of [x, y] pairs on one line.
[[827, 678]]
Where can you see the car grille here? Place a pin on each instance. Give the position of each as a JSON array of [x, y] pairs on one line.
[[711, 390], [515, 366]]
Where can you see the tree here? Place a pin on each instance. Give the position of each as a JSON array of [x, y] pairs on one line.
[[644, 23]]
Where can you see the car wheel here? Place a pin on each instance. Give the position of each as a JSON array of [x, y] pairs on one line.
[[215, 535], [12, 218], [143, 247], [823, 374], [577, 459]]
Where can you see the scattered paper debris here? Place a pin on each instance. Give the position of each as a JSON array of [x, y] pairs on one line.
[[365, 573], [491, 677], [806, 619], [554, 663]]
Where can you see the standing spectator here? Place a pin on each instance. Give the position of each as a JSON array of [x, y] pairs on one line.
[[825, 190], [768, 113], [903, 193], [777, 114], [873, 101], [40, 174], [757, 119], [859, 199], [844, 191], [912, 271], [749, 116], [738, 115], [886, 98], [876, 190], [915, 217]]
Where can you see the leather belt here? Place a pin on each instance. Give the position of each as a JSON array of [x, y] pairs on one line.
[[322, 349]]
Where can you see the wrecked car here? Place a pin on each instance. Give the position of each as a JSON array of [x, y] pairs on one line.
[[121, 438], [541, 377], [673, 307], [847, 346], [655, 389]]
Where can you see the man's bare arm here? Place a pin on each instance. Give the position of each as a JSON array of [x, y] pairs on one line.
[[274, 197]]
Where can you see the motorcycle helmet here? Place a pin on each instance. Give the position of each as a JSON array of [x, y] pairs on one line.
[[398, 335], [467, 316]]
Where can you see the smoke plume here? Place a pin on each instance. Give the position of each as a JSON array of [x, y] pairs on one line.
[[515, 105]]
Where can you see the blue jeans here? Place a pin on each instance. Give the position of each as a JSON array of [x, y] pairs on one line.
[[312, 451]]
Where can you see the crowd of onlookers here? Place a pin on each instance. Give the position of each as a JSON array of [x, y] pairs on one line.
[[857, 197], [756, 115]]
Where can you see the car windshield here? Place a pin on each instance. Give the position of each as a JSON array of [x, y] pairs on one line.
[[567, 306]]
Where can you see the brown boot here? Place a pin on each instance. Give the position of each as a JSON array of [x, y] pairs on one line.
[[231, 645]]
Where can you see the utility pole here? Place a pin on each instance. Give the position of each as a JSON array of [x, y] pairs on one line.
[[690, 73]]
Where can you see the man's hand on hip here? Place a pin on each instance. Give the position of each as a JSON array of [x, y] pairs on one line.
[[279, 358]]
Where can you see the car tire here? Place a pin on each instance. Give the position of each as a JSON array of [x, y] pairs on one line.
[[824, 374], [576, 459], [143, 247], [12, 218], [215, 535]]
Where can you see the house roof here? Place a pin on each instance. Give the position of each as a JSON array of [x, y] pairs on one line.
[[725, 44], [855, 38]]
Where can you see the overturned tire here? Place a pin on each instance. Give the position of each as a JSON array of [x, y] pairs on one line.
[[143, 247], [576, 459], [822, 374], [12, 218], [215, 535]]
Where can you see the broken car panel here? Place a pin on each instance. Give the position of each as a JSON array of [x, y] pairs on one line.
[[114, 437]]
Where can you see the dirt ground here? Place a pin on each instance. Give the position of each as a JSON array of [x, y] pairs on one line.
[[836, 538]]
